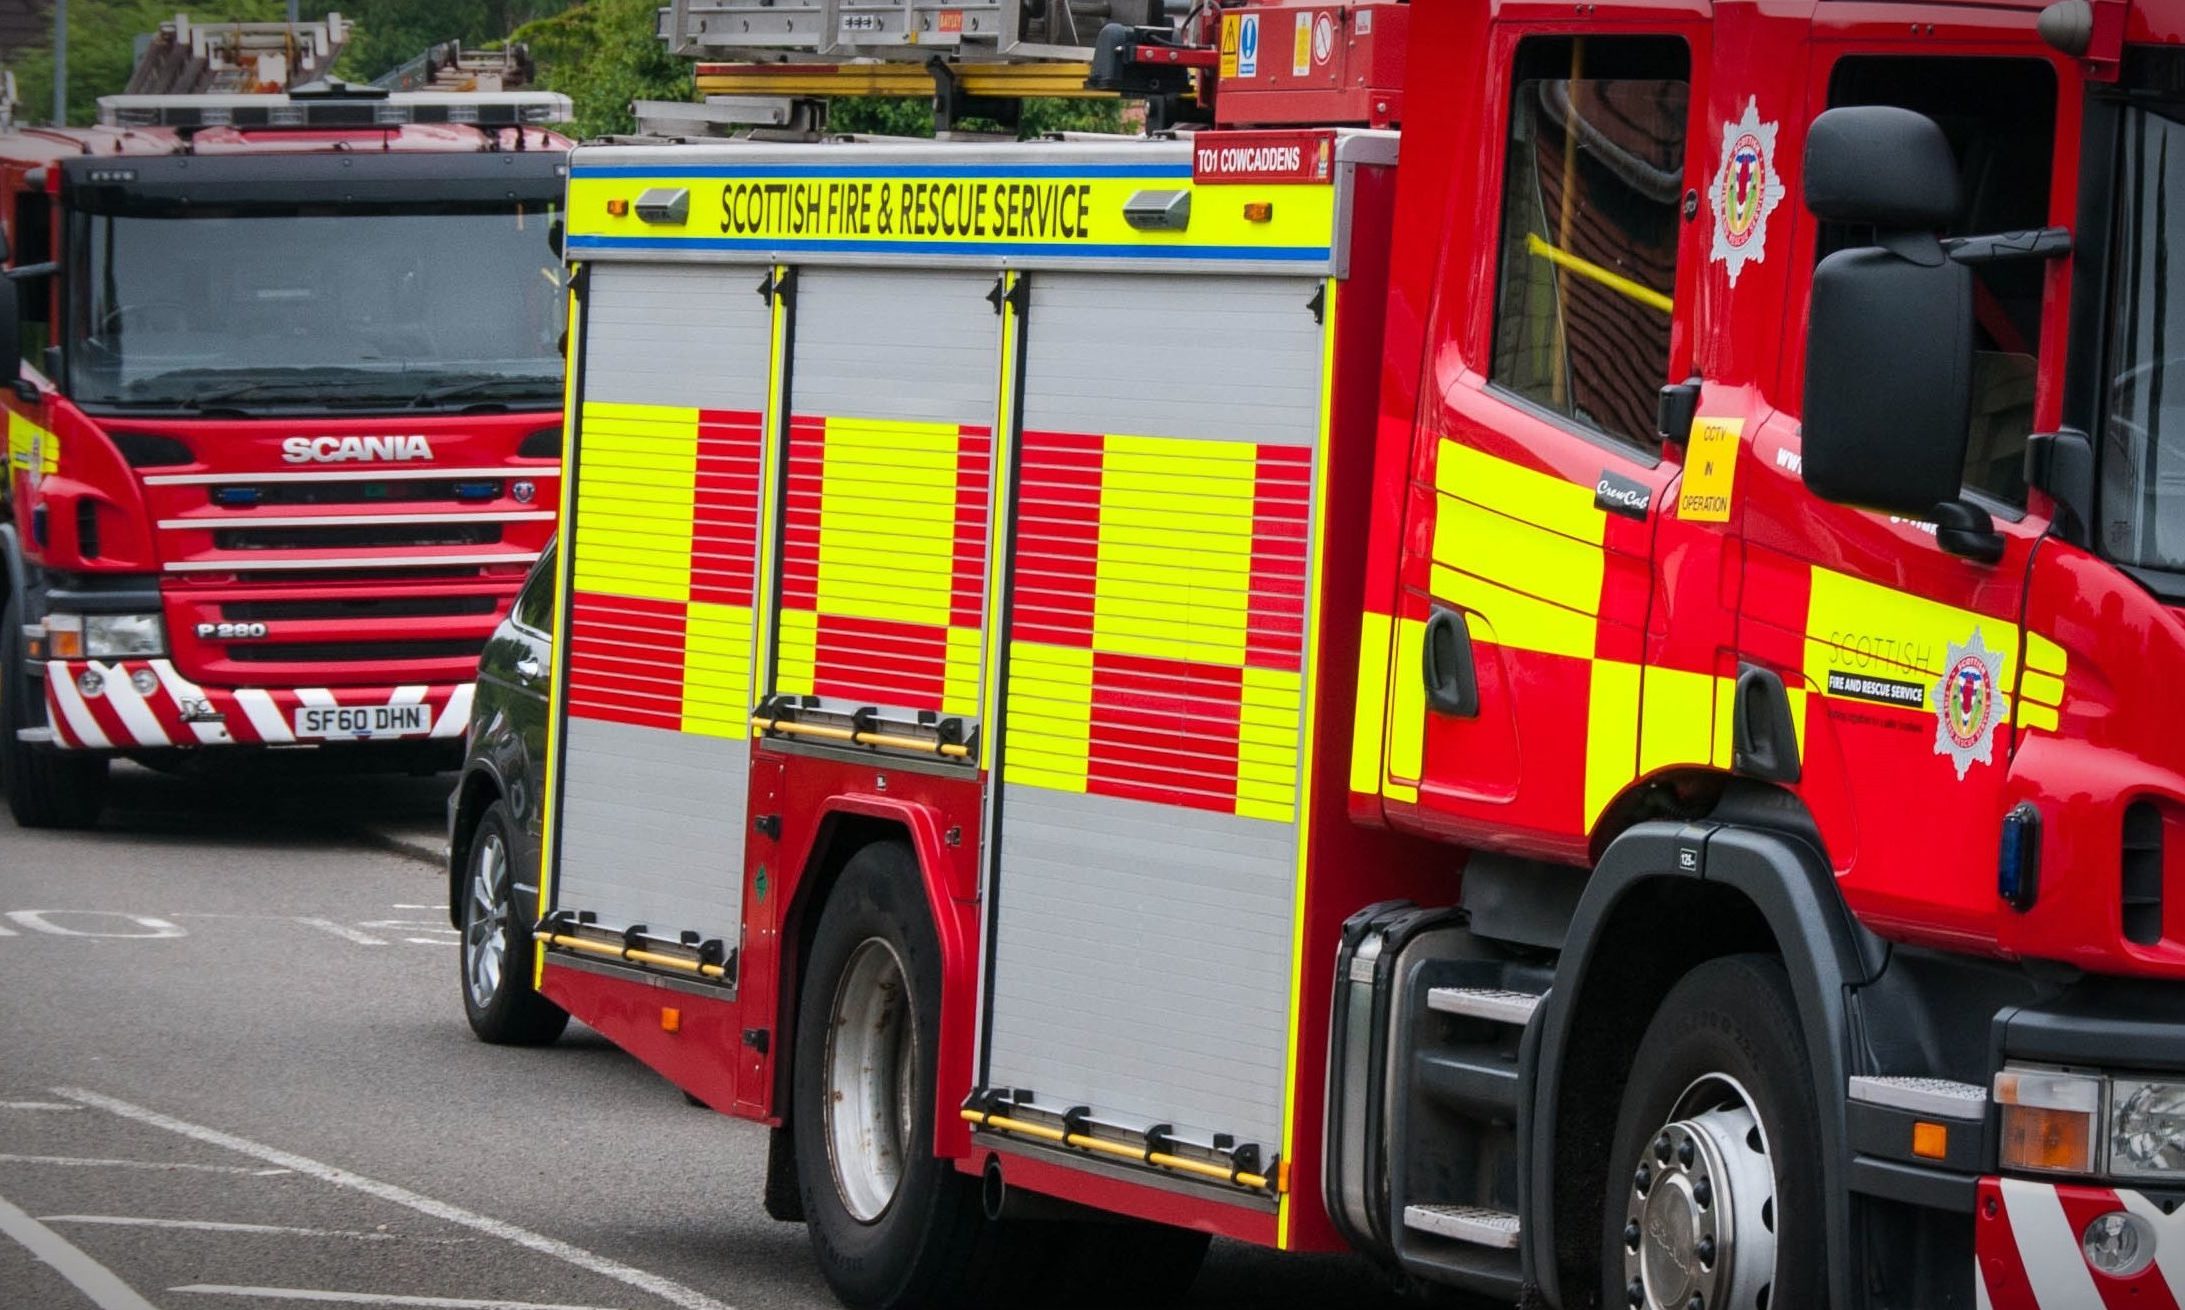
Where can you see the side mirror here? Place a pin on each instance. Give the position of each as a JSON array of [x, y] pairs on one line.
[[556, 237], [11, 328], [1889, 333]]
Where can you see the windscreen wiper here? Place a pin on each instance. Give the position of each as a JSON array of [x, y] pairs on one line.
[[546, 389]]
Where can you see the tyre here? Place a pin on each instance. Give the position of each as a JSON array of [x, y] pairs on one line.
[[892, 1225], [498, 998], [46, 788], [1713, 1197]]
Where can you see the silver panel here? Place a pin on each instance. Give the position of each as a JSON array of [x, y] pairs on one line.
[[896, 344], [676, 334], [1143, 961], [1243, 364], [652, 828]]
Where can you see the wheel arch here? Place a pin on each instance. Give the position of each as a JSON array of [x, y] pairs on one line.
[[479, 788], [846, 825], [1762, 884]]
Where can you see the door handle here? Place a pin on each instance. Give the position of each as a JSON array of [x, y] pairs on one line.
[[530, 667], [1452, 683]]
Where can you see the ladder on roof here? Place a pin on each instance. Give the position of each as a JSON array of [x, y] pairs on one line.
[[967, 31], [452, 68], [190, 58]]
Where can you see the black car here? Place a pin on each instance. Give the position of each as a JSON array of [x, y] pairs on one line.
[[493, 823]]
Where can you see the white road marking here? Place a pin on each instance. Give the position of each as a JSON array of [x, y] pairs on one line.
[[6, 931], [84, 1162], [38, 1105], [342, 931], [39, 920], [400, 906], [665, 1288], [217, 1226], [374, 1298], [94, 1280]]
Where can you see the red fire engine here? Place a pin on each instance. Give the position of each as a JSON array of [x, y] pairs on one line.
[[283, 444], [1578, 713]]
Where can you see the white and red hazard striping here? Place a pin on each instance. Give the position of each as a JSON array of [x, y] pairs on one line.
[[2029, 1257], [121, 717]]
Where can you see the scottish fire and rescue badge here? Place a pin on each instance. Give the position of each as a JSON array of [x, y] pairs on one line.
[[1969, 703], [1747, 189]]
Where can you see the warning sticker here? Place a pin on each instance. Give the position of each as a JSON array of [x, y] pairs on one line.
[[1301, 47], [1229, 25], [1323, 39], [1710, 470], [1248, 46]]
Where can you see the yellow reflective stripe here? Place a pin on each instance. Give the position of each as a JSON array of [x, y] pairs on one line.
[[1512, 619], [1000, 530], [960, 680], [1406, 713], [634, 507], [2045, 656], [2041, 688], [549, 784], [717, 670], [1370, 709], [2026, 714], [1528, 494], [887, 535], [1612, 733], [796, 655], [1267, 744], [1519, 555], [1724, 751], [29, 443], [1677, 718], [1049, 716], [770, 454], [1847, 616], [1158, 497]]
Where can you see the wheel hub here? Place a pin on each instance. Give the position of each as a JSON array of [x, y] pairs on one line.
[[484, 940], [1699, 1229], [871, 1080]]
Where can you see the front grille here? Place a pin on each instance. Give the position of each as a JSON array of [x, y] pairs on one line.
[[362, 607], [394, 491], [357, 536], [349, 652]]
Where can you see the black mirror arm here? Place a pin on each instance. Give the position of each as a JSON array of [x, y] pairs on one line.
[[2061, 464], [26, 272], [1965, 529], [2010, 247]]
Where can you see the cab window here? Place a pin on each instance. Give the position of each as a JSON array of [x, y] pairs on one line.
[[535, 603], [2000, 118], [1591, 188], [30, 241]]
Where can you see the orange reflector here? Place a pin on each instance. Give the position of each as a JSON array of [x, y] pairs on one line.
[[2054, 1140], [1282, 1176], [618, 208], [1930, 1141], [64, 644], [671, 1020], [1259, 211]]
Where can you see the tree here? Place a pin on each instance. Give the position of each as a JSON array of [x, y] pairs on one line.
[[390, 33], [102, 38], [603, 54]]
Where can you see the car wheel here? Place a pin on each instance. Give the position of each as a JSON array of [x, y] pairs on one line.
[[1714, 1198], [46, 788], [498, 998]]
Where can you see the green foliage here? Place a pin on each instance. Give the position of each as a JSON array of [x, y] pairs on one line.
[[102, 49], [390, 33], [603, 54], [891, 117]]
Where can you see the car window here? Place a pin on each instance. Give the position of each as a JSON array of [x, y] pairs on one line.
[[535, 603]]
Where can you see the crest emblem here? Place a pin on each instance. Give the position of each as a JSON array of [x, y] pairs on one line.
[[1969, 704], [1746, 190]]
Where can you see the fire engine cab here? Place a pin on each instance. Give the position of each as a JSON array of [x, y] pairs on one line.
[[1552, 676], [283, 443]]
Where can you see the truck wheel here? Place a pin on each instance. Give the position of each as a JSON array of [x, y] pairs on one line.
[[498, 998], [46, 788], [892, 1225], [1713, 1195]]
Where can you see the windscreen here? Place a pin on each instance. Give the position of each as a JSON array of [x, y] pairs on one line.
[[2143, 433], [310, 309]]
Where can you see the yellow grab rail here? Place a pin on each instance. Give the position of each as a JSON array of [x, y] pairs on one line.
[[635, 956], [828, 732], [1101, 1146], [1592, 272]]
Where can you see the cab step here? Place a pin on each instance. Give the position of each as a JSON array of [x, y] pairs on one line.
[[1493, 1004], [1498, 1229]]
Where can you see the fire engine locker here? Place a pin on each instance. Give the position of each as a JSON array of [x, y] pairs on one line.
[[892, 399], [1153, 721], [663, 535]]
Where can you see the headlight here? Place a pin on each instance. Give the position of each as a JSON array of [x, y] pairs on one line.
[[2048, 1119], [2146, 1127], [104, 636]]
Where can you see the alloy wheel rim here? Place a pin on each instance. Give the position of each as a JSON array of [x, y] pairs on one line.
[[485, 921], [1700, 1218]]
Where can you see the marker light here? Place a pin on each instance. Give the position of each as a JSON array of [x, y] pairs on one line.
[[2119, 1244], [2048, 1119], [618, 208], [1259, 211], [1930, 1141], [64, 636]]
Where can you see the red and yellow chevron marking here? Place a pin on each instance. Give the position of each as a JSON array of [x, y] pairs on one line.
[[664, 554], [883, 562], [1158, 620]]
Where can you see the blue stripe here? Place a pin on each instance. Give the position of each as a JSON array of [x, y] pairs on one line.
[[886, 172], [1282, 254]]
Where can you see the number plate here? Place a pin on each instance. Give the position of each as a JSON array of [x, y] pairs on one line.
[[362, 722]]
